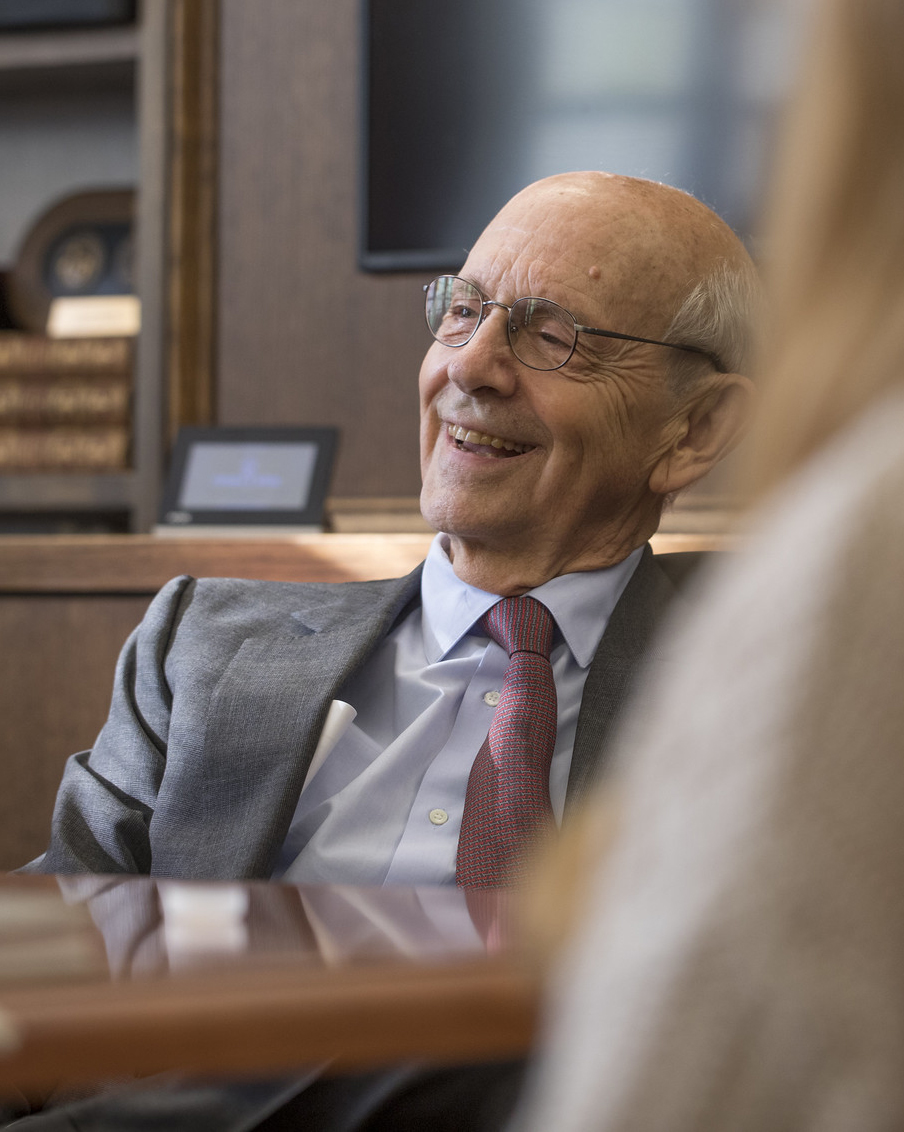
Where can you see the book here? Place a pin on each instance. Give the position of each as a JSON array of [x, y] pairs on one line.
[[64, 448], [65, 403], [21, 352], [43, 398]]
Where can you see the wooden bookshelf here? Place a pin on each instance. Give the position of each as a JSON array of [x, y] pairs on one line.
[[73, 72], [50, 50], [45, 492]]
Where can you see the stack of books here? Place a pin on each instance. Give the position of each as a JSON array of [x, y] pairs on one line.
[[65, 403]]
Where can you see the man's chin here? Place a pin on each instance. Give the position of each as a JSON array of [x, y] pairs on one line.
[[449, 514], [480, 515], [471, 530]]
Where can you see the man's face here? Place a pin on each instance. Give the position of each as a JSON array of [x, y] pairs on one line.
[[564, 477]]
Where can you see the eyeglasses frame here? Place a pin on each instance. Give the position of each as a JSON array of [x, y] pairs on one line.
[[579, 329]]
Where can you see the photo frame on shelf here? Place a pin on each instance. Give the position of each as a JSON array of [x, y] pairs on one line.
[[248, 480], [73, 273]]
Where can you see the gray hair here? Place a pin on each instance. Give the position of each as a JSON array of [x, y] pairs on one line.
[[719, 316]]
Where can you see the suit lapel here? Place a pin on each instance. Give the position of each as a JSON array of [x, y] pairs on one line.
[[263, 723], [624, 644]]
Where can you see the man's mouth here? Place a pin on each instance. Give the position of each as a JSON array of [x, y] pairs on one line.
[[484, 443]]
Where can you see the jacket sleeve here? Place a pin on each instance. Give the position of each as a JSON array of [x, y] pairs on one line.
[[108, 794]]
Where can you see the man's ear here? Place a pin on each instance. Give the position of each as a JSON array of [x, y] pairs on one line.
[[712, 424]]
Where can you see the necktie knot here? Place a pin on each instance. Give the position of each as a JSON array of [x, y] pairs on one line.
[[520, 624]]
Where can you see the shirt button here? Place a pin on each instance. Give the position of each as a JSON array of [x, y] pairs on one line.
[[491, 698], [438, 817]]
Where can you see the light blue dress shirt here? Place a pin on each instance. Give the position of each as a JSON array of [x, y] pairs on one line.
[[385, 805]]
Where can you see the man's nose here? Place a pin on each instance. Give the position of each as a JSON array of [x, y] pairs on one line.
[[486, 361]]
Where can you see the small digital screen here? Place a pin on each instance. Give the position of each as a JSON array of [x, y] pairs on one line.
[[248, 477]]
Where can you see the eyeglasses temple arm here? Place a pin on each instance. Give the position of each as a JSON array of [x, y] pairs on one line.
[[650, 342]]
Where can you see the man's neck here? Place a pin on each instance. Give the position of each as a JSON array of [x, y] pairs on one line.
[[505, 571]]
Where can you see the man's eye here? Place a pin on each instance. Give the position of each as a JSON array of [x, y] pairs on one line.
[[462, 311], [550, 333]]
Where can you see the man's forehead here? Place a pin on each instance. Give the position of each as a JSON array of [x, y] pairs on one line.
[[540, 245], [620, 246], [580, 259]]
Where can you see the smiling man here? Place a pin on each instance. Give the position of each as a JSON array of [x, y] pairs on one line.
[[547, 446], [587, 364]]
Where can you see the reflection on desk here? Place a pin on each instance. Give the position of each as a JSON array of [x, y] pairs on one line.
[[105, 976]]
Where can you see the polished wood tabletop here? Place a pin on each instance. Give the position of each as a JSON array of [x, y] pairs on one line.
[[102, 977]]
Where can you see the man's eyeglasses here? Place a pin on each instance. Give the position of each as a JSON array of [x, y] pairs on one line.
[[542, 334]]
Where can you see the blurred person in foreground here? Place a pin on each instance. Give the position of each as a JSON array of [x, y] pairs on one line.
[[739, 962]]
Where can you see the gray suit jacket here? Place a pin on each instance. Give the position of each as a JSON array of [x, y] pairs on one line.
[[219, 699]]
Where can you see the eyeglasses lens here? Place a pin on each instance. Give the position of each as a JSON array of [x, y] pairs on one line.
[[541, 333], [454, 308]]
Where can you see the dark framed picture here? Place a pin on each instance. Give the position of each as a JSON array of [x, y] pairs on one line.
[[248, 477]]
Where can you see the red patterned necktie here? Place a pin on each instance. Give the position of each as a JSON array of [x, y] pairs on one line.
[[507, 808]]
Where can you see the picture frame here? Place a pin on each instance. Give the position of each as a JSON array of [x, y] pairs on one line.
[[255, 479], [80, 247]]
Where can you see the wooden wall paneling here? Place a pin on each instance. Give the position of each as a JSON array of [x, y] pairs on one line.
[[151, 260], [194, 71], [56, 672], [303, 335]]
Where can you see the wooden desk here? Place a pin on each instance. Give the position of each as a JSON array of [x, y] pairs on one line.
[[279, 978]]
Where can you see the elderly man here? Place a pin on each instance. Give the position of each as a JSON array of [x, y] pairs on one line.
[[586, 366]]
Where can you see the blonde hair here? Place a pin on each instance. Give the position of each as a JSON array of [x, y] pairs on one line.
[[835, 237]]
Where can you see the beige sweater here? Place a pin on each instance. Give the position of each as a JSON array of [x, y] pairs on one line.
[[742, 965]]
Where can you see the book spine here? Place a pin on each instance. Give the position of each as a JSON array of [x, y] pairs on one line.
[[62, 448], [52, 399], [35, 353]]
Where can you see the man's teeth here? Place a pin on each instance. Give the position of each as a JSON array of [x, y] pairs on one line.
[[469, 436]]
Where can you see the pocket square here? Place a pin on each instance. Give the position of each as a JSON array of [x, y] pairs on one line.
[[338, 719]]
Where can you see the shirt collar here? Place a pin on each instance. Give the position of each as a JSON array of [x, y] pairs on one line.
[[581, 603]]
